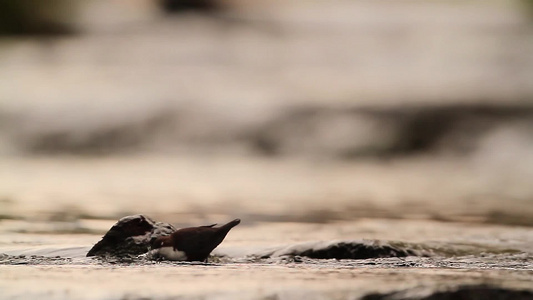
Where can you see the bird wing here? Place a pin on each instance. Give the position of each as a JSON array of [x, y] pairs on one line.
[[194, 239], [209, 226]]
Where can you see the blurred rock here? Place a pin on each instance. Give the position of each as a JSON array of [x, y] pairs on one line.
[[173, 6], [316, 131], [36, 17]]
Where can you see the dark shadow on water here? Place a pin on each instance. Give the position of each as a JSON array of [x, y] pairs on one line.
[[470, 292]]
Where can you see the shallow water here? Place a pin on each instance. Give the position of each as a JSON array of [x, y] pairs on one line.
[[440, 209], [205, 189], [454, 254]]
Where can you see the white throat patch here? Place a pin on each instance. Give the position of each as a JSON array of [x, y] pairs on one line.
[[171, 254]]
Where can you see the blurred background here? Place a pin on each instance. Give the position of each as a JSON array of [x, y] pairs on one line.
[[194, 111]]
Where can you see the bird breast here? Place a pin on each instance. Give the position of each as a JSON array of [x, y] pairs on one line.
[[170, 253]]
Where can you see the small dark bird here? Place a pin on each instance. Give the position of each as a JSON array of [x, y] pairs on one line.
[[193, 243]]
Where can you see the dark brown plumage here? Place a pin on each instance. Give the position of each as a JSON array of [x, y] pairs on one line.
[[193, 243]]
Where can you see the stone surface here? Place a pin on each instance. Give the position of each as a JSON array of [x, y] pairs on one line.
[[356, 249], [130, 236]]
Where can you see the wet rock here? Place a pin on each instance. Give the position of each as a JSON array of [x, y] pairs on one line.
[[32, 260], [130, 236], [345, 250], [357, 251], [470, 292]]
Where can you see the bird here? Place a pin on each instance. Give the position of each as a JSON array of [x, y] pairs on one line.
[[192, 243]]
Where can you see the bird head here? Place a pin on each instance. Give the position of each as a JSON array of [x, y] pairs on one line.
[[159, 242]]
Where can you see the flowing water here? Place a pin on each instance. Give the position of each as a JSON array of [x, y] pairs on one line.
[[330, 129], [456, 254], [450, 242]]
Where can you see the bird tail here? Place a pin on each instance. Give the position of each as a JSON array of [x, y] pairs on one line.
[[223, 230], [231, 224]]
